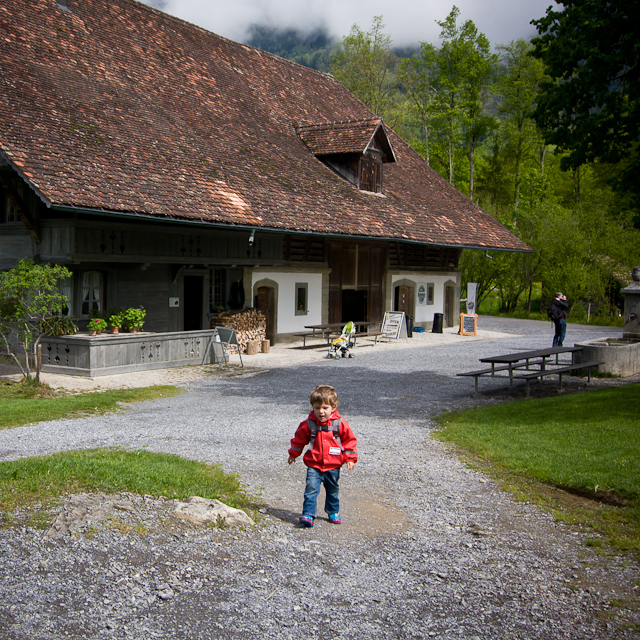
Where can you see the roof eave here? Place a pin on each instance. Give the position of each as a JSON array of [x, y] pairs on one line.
[[227, 225]]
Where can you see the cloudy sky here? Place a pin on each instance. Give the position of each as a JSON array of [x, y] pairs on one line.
[[406, 21]]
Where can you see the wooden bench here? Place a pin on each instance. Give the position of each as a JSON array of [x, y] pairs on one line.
[[368, 334], [492, 370], [482, 372], [336, 334], [360, 334], [307, 334], [559, 371]]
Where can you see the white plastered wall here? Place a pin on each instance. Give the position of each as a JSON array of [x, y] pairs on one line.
[[423, 313], [287, 320]]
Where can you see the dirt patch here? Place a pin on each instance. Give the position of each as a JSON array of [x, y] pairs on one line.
[[594, 497], [373, 516]]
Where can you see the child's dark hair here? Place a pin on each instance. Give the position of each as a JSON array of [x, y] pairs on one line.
[[324, 393]]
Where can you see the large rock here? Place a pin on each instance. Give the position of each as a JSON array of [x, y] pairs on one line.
[[202, 510]]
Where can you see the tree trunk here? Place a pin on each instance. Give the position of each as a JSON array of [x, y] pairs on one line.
[[451, 157], [518, 172], [426, 137], [471, 159]]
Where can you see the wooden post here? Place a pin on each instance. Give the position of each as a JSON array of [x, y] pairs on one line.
[[38, 362]]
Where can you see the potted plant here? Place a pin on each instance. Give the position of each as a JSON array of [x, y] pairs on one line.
[[96, 326], [134, 318], [115, 322], [60, 326]]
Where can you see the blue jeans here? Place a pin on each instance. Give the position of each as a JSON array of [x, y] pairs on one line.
[[316, 478], [561, 331]]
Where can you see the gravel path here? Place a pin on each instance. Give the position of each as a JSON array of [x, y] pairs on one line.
[[428, 548]]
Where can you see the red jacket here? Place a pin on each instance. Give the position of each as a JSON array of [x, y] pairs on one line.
[[326, 453]]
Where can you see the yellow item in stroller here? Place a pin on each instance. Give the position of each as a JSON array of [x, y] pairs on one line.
[[342, 346]]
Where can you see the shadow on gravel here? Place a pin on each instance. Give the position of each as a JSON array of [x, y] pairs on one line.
[[283, 514], [364, 391]]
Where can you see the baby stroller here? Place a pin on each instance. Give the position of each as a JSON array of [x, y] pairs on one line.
[[342, 346]]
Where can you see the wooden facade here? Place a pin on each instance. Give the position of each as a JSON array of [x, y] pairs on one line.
[[215, 175]]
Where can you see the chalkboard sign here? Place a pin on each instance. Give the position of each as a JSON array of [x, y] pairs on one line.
[[468, 325], [392, 323]]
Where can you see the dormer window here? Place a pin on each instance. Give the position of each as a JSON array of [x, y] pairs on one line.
[[354, 150]]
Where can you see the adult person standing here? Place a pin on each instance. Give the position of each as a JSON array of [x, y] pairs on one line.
[[558, 313]]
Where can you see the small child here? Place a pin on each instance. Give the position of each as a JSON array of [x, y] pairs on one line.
[[331, 444]]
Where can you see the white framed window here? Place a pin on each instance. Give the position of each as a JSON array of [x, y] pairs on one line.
[[66, 289], [11, 210], [92, 296], [302, 298]]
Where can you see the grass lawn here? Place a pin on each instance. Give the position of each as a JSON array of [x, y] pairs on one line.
[[576, 454], [26, 403], [491, 306], [42, 480]]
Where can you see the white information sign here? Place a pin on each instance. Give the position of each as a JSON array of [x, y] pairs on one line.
[[471, 297], [392, 324]]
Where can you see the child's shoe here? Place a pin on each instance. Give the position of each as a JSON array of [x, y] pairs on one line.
[[306, 521], [335, 518]]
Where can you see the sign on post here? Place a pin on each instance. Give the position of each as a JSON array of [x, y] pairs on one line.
[[471, 297], [468, 325], [392, 324]]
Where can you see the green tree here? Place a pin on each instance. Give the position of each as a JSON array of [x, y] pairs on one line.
[[478, 67], [449, 59], [518, 88], [29, 298], [449, 87], [481, 268], [588, 243], [365, 64], [418, 77], [590, 108]]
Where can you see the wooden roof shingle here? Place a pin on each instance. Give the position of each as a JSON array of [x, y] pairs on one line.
[[114, 106], [346, 138]]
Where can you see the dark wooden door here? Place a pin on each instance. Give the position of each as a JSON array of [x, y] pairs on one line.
[[265, 303], [193, 303], [403, 299], [359, 268], [449, 318]]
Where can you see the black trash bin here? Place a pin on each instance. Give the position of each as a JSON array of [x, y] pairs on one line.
[[437, 323], [409, 326]]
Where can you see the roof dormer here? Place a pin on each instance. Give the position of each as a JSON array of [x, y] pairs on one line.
[[355, 150]]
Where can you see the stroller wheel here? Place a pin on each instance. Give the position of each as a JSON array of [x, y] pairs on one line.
[[338, 355], [352, 355]]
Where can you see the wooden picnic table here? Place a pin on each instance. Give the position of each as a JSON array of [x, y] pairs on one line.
[[534, 358], [336, 327], [329, 329], [513, 360]]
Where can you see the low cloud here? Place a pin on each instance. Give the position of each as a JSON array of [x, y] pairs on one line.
[[406, 21]]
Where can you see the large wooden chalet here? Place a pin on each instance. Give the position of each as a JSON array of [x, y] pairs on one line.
[[171, 168]]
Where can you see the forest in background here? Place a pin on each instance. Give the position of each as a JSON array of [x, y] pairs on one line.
[[543, 135]]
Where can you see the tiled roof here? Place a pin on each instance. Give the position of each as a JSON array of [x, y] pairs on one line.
[[344, 137], [113, 105]]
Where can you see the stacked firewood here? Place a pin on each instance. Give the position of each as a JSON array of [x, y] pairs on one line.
[[250, 326]]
